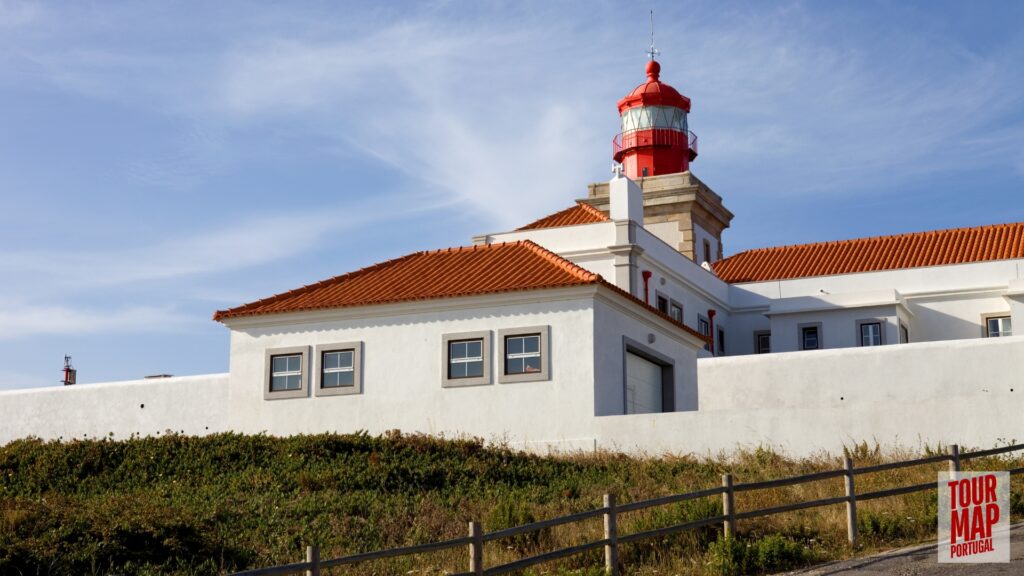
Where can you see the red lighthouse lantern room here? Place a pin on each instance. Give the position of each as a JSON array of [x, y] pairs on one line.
[[655, 138]]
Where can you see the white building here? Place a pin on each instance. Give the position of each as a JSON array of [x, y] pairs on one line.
[[585, 327]]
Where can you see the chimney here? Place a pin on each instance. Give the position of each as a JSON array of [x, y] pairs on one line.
[[626, 199], [70, 374]]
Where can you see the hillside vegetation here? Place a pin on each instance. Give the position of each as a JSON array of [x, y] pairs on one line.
[[194, 506]]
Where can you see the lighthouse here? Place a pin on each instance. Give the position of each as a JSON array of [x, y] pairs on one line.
[[655, 147], [655, 138]]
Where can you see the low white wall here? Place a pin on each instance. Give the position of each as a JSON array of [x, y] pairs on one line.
[[194, 405], [969, 392]]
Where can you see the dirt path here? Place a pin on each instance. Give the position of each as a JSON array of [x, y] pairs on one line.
[[920, 561]]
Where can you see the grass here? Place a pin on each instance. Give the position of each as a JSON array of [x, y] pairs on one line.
[[195, 506]]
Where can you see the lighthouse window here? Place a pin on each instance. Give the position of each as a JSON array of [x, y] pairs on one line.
[[646, 117]]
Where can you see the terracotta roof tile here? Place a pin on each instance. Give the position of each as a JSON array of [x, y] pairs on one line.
[[581, 213], [452, 272], [934, 248]]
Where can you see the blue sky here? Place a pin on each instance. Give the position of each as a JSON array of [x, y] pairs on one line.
[[159, 161]]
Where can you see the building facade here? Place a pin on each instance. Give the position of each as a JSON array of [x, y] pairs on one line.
[[617, 323]]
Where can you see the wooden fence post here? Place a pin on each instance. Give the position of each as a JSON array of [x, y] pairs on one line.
[[851, 505], [954, 462], [313, 557], [476, 549], [611, 533], [729, 526]]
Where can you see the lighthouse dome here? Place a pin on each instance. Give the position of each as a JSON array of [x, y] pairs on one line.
[[654, 92]]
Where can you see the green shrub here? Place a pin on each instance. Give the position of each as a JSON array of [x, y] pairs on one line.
[[509, 512], [773, 553]]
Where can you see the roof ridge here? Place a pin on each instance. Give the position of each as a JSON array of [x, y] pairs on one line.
[[565, 217], [879, 237], [594, 211], [944, 247], [566, 264]]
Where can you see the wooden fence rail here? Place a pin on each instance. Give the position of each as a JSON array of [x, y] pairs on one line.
[[611, 510]]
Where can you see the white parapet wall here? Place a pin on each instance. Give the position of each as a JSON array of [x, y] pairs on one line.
[[968, 392], [194, 405]]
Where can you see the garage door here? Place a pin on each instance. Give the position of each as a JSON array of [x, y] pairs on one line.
[[643, 385]]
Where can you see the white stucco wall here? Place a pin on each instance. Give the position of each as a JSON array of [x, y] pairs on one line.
[[839, 327], [939, 303], [613, 323], [194, 405], [403, 366], [969, 392]]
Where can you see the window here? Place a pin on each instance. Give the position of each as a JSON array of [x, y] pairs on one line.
[[467, 359], [285, 373], [810, 337], [762, 342], [662, 304], [707, 251], [704, 328], [644, 174], [339, 369], [904, 334], [676, 311], [524, 353], [720, 344], [649, 382], [870, 332], [996, 326]]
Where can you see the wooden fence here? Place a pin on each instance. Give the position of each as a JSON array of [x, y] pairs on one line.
[[477, 538]]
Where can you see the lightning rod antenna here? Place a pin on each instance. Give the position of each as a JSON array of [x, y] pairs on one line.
[[653, 51]]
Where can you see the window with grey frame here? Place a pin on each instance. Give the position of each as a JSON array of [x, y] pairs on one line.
[[285, 372], [662, 302], [870, 333], [466, 358], [675, 310], [996, 326], [810, 338], [762, 342], [904, 334], [720, 342], [522, 354], [338, 367], [704, 328]]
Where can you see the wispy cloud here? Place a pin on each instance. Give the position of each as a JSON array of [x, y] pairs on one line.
[[431, 104], [245, 243], [25, 321], [15, 13]]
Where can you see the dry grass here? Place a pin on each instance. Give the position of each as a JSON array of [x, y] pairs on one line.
[[189, 506]]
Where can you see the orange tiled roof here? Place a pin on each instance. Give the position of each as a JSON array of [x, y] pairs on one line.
[[452, 272], [935, 248], [581, 213]]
